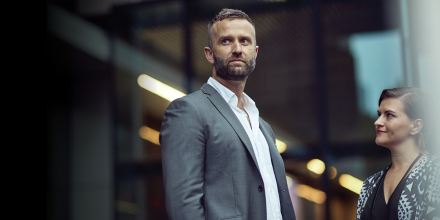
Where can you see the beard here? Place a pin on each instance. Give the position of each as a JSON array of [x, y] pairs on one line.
[[231, 72]]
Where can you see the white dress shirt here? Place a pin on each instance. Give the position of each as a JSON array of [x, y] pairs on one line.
[[259, 145]]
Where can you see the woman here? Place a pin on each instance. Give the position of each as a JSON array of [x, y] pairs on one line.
[[409, 188]]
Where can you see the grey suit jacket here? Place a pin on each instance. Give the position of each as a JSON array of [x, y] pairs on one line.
[[209, 166]]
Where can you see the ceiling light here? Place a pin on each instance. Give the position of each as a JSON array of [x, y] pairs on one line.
[[149, 134], [332, 172], [311, 194], [155, 86], [316, 166], [351, 183], [281, 146]]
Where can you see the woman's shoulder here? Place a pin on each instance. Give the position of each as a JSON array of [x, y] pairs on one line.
[[377, 175], [374, 179], [432, 163], [429, 167], [432, 158]]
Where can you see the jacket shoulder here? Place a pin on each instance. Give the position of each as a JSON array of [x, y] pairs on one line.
[[433, 167], [192, 98], [434, 160], [264, 122], [374, 179]]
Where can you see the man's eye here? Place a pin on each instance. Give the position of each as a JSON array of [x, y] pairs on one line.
[[245, 41], [225, 41]]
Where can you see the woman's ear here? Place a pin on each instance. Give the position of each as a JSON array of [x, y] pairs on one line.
[[417, 126]]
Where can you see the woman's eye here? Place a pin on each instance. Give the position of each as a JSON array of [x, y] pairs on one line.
[[390, 115]]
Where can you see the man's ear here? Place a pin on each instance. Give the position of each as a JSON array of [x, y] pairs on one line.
[[256, 51], [209, 55], [417, 126]]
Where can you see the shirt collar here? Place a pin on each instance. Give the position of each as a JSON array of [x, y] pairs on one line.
[[229, 96]]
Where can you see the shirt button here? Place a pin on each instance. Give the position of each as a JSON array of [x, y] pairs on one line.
[[260, 188]]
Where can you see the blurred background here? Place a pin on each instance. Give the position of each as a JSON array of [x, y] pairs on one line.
[[115, 65]]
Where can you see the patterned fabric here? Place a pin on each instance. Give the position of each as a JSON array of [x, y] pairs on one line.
[[420, 199]]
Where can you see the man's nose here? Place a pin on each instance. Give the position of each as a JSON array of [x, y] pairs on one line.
[[237, 48]]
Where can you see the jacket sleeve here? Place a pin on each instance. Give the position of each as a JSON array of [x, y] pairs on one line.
[[432, 194], [366, 191], [183, 156], [361, 201]]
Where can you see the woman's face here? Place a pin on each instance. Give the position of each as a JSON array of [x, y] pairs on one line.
[[393, 126]]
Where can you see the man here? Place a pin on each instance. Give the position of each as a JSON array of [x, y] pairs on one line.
[[219, 158]]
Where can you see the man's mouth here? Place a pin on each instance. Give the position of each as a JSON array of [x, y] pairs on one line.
[[237, 60]]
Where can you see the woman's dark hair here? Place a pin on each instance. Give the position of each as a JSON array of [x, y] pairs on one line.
[[417, 105]]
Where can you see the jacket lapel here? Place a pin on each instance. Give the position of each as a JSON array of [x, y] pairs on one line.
[[277, 161], [224, 109]]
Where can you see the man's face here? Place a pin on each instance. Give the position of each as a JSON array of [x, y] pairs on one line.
[[234, 51]]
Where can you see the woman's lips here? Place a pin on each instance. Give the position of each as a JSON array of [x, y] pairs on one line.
[[380, 132]]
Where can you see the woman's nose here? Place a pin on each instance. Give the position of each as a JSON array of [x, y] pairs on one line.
[[379, 121]]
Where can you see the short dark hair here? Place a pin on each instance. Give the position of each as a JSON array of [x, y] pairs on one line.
[[417, 105], [227, 13]]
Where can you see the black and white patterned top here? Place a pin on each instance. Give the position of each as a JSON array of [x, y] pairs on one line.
[[420, 198]]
